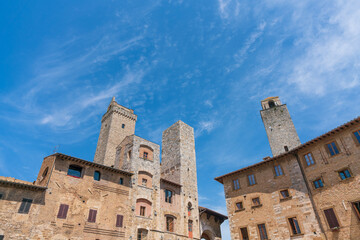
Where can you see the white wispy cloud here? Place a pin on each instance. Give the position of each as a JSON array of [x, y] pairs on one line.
[[205, 126], [330, 61]]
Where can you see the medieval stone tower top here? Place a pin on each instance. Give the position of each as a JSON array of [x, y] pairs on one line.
[[279, 127], [116, 124]]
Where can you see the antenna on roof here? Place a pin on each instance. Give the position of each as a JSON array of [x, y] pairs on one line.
[[56, 148]]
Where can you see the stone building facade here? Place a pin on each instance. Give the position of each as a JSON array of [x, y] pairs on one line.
[[307, 191], [126, 193]]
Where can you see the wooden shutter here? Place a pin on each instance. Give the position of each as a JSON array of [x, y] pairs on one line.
[[63, 211], [25, 205], [119, 220], [331, 218], [244, 234], [92, 215]]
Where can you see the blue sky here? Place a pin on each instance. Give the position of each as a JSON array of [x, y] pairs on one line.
[[208, 63]]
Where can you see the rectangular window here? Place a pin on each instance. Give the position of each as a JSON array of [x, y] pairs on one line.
[[145, 155], [294, 225], [244, 234], [63, 211], [1, 195], [332, 148], [256, 201], [344, 174], [119, 220], [278, 170], [309, 159], [144, 182], [262, 232], [251, 179], [92, 215], [331, 218], [121, 181], [239, 206], [236, 184], [142, 211], [25, 205], [356, 206], [168, 196], [74, 171], [318, 183], [357, 136], [284, 194]]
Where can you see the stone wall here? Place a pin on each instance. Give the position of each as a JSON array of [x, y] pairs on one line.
[[336, 193], [273, 211], [106, 196]]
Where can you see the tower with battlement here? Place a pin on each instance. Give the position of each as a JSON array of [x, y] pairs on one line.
[[116, 124], [279, 126]]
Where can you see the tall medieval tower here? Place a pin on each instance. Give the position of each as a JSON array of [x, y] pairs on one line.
[[179, 165], [116, 124], [279, 127]]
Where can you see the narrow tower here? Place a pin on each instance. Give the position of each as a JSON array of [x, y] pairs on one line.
[[179, 165], [117, 123], [279, 127]]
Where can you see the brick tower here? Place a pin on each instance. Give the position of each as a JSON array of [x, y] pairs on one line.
[[279, 127], [116, 124], [179, 165]]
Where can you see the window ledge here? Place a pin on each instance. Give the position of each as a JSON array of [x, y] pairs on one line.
[[147, 218], [297, 235], [240, 210], [285, 199], [335, 229], [145, 187], [347, 179], [146, 159], [256, 206]]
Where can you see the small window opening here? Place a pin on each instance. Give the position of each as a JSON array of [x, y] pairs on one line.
[[121, 181], [25, 205], [146, 155], [239, 206], [331, 218], [244, 234], [189, 208], [92, 215], [123, 126], [251, 179], [97, 176], [286, 148], [170, 224], [318, 183], [294, 224], [256, 201], [332, 148], [284, 194], [271, 104], [74, 171], [142, 211], [144, 182], [168, 196], [344, 174], [236, 184]]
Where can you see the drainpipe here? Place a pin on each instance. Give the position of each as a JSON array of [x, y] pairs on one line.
[[310, 195]]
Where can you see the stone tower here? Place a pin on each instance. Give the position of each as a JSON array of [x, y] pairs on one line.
[[179, 165], [279, 127], [116, 124]]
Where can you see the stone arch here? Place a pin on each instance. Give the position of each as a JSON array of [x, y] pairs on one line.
[[146, 205], [207, 235], [271, 104]]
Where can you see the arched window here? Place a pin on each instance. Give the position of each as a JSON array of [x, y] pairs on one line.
[[145, 179], [142, 234], [74, 171], [271, 103], [143, 207], [170, 222], [189, 208], [146, 152], [97, 176]]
